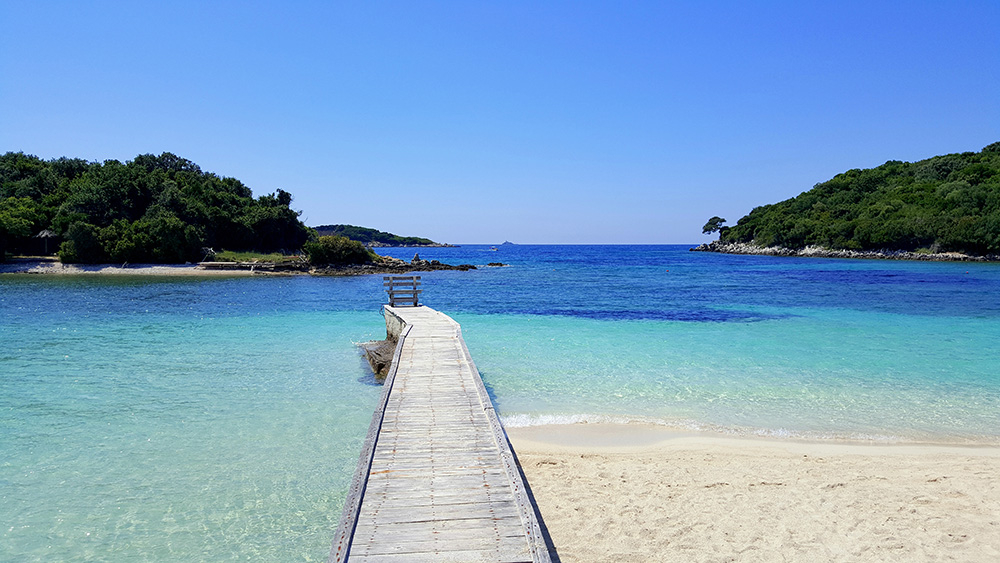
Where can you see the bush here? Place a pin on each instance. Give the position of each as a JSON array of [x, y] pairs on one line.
[[335, 250], [81, 245], [233, 256]]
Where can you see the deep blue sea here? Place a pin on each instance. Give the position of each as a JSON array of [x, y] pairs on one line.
[[220, 419]]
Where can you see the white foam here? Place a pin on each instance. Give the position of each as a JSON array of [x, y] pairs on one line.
[[523, 420]]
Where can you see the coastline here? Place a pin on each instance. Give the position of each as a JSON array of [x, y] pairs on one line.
[[820, 252], [47, 266], [638, 492]]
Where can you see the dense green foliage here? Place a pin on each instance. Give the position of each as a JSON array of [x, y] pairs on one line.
[[337, 250], [715, 224], [151, 209], [942, 204], [370, 236], [18, 215], [249, 256]]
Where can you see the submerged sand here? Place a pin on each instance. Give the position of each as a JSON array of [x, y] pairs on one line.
[[643, 493]]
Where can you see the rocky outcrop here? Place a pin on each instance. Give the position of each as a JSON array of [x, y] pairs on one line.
[[819, 252], [379, 354], [418, 265], [377, 244], [258, 267], [389, 265]]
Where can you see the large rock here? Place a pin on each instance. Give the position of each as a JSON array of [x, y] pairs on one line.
[[379, 354]]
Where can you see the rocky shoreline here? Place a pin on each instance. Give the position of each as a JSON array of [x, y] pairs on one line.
[[376, 244], [820, 252], [385, 265], [390, 265]]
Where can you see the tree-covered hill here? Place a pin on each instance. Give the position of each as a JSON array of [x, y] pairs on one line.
[[372, 237], [948, 203], [150, 209]]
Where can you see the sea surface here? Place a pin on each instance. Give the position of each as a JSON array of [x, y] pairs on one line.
[[179, 419]]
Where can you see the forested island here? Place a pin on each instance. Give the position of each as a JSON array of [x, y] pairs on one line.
[[945, 204], [155, 209], [166, 210], [373, 237]]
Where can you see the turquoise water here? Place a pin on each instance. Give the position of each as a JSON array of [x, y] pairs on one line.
[[221, 419], [177, 421]]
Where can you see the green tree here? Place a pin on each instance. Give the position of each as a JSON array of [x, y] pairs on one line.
[[82, 244], [20, 218], [336, 250], [715, 224], [369, 236], [154, 208]]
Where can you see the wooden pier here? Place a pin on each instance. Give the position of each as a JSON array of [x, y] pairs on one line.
[[437, 479]]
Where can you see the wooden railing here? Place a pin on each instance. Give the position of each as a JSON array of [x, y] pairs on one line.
[[403, 290]]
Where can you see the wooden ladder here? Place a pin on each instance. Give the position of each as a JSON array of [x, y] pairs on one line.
[[403, 290]]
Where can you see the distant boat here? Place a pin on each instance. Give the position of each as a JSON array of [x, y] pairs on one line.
[[493, 249]]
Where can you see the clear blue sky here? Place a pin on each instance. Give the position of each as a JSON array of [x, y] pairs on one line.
[[476, 122]]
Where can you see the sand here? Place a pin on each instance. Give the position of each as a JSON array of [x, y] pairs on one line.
[[51, 266], [644, 493]]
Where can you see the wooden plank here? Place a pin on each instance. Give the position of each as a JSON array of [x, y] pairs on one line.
[[445, 557], [399, 491], [440, 479], [474, 542], [530, 517], [355, 495], [439, 526], [465, 512], [497, 543], [450, 462], [454, 497]]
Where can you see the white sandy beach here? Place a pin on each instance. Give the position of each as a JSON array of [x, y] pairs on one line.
[[643, 493], [45, 266]]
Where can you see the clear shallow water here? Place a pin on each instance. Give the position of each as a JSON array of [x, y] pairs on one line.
[[152, 419], [178, 420]]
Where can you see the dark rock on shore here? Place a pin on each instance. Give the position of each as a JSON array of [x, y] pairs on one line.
[[409, 245], [819, 252], [389, 265], [418, 265], [379, 354], [258, 267]]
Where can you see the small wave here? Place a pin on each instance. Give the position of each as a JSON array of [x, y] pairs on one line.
[[785, 434], [523, 420]]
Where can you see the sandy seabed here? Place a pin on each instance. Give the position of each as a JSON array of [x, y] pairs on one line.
[[643, 493]]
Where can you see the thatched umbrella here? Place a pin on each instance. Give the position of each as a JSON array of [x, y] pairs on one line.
[[46, 235]]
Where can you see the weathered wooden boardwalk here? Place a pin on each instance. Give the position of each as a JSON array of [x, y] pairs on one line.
[[437, 479]]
